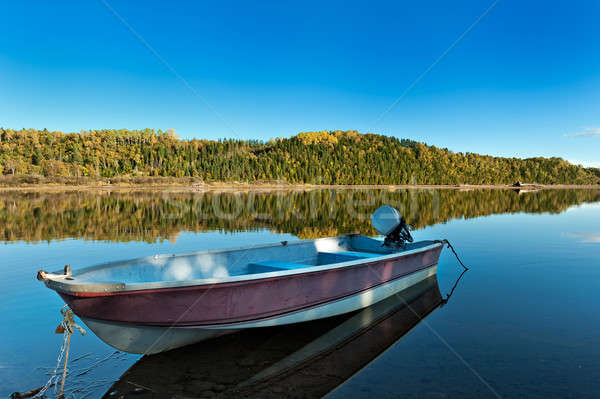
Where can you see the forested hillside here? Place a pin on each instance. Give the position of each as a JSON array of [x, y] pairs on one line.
[[595, 172], [317, 157]]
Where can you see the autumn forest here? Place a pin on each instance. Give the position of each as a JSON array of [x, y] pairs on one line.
[[326, 157]]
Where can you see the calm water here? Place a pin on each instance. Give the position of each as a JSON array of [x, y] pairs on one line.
[[523, 322]]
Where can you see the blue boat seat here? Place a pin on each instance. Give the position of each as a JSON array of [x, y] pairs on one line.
[[326, 258], [323, 258], [355, 254], [266, 266]]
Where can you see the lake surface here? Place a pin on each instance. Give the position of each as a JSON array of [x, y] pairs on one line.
[[522, 322]]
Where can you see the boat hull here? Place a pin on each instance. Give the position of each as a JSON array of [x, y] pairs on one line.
[[149, 339], [233, 302]]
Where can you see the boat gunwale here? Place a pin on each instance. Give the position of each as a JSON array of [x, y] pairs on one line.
[[78, 287]]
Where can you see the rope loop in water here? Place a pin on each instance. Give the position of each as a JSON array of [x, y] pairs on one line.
[[445, 241]]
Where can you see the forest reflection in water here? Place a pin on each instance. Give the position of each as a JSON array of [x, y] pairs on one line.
[[155, 216]]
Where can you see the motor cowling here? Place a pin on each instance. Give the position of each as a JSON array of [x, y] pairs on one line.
[[388, 222]]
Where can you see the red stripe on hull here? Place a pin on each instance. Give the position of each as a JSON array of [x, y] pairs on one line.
[[244, 300]]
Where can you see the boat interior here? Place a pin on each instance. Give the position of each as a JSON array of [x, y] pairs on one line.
[[242, 261]]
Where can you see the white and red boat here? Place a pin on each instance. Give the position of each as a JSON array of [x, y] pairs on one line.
[[153, 304]]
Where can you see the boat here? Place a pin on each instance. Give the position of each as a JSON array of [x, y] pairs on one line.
[[283, 361], [158, 303]]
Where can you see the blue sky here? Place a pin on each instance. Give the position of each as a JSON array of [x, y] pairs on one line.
[[525, 81]]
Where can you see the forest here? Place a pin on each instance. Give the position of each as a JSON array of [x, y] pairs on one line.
[[325, 157]]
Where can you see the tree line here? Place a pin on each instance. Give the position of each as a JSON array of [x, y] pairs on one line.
[[326, 157]]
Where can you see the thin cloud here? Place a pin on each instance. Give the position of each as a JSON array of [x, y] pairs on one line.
[[587, 132], [585, 164], [586, 237]]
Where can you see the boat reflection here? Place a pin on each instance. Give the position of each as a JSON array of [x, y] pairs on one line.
[[300, 360]]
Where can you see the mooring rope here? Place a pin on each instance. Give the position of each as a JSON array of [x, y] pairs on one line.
[[445, 241], [448, 295], [54, 374], [66, 327]]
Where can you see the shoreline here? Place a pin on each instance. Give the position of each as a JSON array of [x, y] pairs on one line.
[[228, 187]]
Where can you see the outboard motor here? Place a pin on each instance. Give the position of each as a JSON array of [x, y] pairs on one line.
[[388, 222]]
